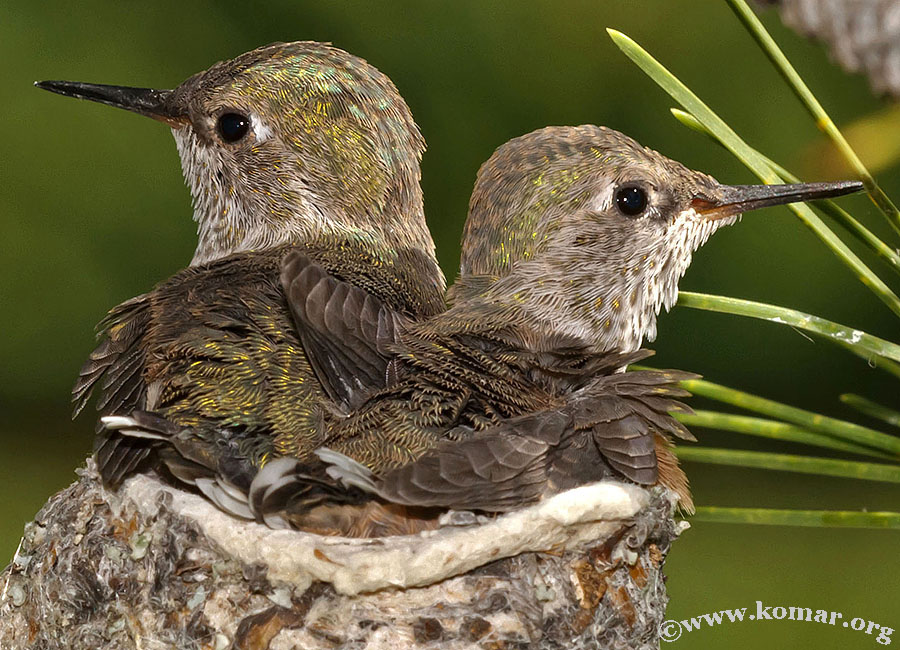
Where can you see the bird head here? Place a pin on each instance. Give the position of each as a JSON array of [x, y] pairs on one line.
[[585, 231], [288, 142]]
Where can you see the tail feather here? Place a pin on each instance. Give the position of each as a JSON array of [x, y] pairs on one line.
[[118, 456], [346, 470], [671, 475], [218, 491]]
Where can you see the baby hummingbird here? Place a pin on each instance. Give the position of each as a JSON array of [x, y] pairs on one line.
[[289, 145]]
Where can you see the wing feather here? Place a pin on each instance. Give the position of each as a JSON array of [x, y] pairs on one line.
[[344, 329]]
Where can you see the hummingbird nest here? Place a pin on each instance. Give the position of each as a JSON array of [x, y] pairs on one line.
[[154, 567]]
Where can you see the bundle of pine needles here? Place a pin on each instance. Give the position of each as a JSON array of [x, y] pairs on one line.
[[871, 454]]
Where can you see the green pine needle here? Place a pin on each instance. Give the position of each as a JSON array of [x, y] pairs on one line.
[[791, 463], [872, 409], [771, 429], [814, 518], [847, 431], [865, 345], [876, 362]]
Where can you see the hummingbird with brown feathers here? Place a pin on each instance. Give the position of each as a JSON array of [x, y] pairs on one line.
[[576, 239], [292, 145]]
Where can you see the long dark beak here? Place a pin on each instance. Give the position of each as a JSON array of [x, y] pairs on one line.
[[152, 103], [729, 200]]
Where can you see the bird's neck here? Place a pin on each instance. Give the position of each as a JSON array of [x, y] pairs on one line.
[[236, 214], [235, 231], [552, 302]]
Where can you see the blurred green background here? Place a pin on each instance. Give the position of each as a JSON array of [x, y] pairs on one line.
[[93, 211]]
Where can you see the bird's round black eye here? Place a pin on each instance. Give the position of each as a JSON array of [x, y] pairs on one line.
[[631, 200], [232, 126]]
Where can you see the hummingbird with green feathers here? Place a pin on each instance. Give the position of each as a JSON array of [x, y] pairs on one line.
[[290, 146], [576, 239]]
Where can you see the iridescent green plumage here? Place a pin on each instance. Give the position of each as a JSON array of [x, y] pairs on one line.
[[215, 352]]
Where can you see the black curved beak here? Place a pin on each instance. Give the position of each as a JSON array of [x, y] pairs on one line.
[[145, 101], [729, 200]]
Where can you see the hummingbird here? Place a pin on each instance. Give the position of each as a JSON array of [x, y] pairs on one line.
[[289, 146], [576, 239]]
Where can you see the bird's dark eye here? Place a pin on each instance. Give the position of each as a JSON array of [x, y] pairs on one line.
[[632, 201], [232, 126]]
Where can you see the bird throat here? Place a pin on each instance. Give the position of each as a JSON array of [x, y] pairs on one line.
[[232, 218], [620, 311], [605, 304]]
